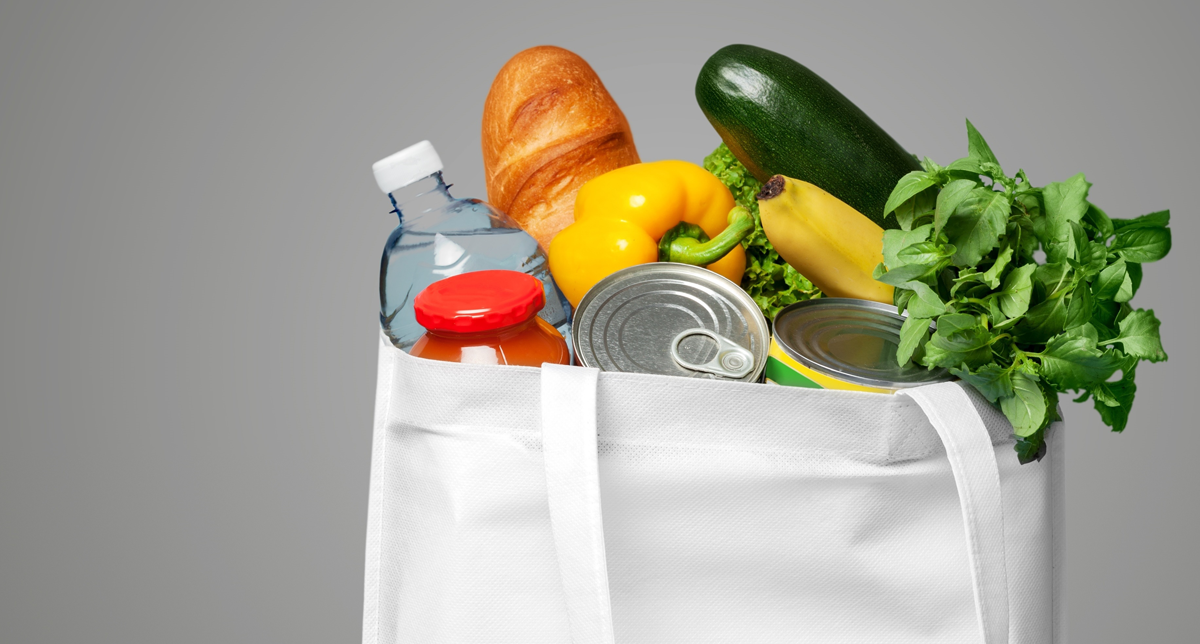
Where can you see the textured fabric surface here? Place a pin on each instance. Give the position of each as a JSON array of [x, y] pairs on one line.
[[570, 454], [731, 512], [972, 459]]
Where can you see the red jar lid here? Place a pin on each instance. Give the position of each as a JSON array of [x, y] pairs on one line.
[[479, 301]]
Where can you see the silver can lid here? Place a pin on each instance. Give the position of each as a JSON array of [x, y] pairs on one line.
[[851, 340], [657, 318]]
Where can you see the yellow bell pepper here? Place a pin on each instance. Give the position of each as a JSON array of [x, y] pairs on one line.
[[661, 211]]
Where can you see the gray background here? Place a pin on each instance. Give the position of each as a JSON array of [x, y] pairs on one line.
[[189, 249]]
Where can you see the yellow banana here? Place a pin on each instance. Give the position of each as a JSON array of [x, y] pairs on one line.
[[830, 243]]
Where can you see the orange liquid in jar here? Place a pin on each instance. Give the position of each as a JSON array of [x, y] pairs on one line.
[[487, 317], [529, 343]]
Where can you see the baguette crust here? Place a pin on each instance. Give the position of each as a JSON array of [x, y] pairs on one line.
[[549, 125]]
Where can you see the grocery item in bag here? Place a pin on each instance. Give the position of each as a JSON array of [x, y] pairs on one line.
[[487, 317], [829, 242], [671, 319], [670, 211], [549, 125], [778, 117], [440, 236], [842, 343]]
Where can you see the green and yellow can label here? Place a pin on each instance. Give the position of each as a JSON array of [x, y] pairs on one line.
[[784, 370]]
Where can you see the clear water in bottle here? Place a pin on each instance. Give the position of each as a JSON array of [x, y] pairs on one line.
[[439, 236]]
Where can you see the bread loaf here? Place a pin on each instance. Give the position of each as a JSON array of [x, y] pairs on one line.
[[549, 125]]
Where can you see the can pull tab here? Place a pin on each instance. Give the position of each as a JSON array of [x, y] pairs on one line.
[[732, 361]]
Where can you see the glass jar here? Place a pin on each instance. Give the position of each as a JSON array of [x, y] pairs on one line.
[[487, 317]]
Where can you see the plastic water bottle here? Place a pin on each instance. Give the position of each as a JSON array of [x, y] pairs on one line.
[[440, 236]]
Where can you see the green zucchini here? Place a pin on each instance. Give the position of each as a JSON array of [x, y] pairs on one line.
[[778, 117]]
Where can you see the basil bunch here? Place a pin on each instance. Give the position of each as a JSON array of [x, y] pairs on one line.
[[1016, 329]]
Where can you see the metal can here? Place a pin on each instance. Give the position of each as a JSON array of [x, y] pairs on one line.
[[671, 319], [842, 343]]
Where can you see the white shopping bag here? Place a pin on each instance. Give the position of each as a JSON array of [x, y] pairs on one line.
[[568, 506]]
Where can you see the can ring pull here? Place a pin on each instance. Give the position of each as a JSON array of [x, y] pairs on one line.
[[732, 361]]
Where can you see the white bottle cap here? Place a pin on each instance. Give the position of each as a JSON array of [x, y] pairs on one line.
[[406, 166]]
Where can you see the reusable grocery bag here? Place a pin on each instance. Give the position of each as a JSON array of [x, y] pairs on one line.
[[565, 505]]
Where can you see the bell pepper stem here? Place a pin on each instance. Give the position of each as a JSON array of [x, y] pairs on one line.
[[688, 244]]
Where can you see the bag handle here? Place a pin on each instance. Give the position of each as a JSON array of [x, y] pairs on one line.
[[973, 463], [573, 489]]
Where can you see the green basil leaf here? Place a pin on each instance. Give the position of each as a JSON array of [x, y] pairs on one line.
[[1114, 400], [977, 147], [1029, 202], [991, 276], [1093, 258], [1139, 336], [915, 209], [938, 356], [1018, 287], [1067, 245], [1025, 184], [1099, 221], [1084, 331], [1158, 219], [902, 275], [925, 302], [1066, 201], [1104, 317], [925, 252], [1108, 283], [975, 227], [1075, 362], [965, 279], [1123, 311], [1079, 243], [909, 185], [1065, 204], [949, 199], [1043, 230], [959, 339], [991, 380], [969, 167], [1125, 293], [1079, 309], [977, 290], [1043, 321], [1051, 403], [1053, 277], [1022, 237], [1026, 408], [1134, 270], [1007, 324], [896, 240], [913, 333], [1141, 244], [957, 324], [1030, 448]]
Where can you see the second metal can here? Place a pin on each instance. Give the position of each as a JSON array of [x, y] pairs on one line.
[[842, 343]]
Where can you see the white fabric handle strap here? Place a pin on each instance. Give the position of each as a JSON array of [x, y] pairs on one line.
[[573, 488], [973, 463]]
